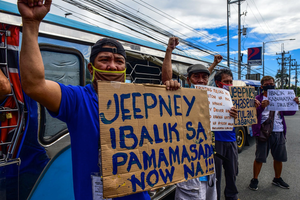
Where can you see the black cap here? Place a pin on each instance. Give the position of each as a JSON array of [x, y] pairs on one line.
[[97, 48], [196, 69]]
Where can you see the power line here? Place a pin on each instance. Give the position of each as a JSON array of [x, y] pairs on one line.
[[135, 20], [262, 27], [134, 23], [164, 14], [264, 20], [74, 14], [163, 24]]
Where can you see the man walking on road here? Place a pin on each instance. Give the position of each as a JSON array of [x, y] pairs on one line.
[[276, 141]]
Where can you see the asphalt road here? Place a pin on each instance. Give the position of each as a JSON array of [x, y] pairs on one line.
[[290, 172]]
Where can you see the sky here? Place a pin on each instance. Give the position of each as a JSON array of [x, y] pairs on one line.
[[205, 23]]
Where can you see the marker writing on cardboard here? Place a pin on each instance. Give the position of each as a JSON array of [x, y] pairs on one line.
[[150, 102]]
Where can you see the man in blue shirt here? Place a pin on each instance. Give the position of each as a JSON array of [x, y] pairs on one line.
[[75, 105], [226, 146]]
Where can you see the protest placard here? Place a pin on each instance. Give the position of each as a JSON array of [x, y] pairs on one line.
[[151, 137], [219, 106], [282, 100], [243, 98]]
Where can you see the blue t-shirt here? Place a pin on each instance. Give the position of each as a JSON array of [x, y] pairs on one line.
[[79, 109], [203, 178], [225, 136]]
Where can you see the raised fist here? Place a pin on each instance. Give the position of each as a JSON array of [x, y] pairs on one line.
[[173, 42], [33, 10]]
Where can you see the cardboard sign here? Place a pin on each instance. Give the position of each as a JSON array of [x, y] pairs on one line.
[[282, 100], [219, 106], [243, 99], [151, 137]]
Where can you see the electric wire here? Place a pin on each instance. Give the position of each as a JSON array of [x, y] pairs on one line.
[[141, 26], [79, 5], [271, 32], [145, 24], [74, 14], [169, 17], [262, 28]]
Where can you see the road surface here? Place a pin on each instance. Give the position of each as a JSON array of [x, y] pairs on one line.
[[290, 172]]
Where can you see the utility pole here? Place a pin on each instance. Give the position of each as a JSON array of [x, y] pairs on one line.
[[282, 65], [296, 74], [228, 15], [296, 78], [263, 49], [290, 63], [239, 36], [239, 41], [264, 44]]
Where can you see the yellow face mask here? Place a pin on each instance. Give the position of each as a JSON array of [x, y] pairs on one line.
[[105, 75]]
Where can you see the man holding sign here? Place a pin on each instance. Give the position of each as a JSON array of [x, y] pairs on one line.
[[75, 105], [203, 188], [226, 145], [275, 142]]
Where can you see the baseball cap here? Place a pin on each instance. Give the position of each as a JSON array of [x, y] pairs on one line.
[[97, 48], [196, 69]]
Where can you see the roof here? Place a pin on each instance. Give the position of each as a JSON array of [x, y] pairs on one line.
[[252, 82]]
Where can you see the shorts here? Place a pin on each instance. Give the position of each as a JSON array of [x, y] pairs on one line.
[[276, 143]]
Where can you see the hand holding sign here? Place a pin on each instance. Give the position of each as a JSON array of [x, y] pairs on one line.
[[172, 85], [265, 103], [233, 112], [257, 103], [296, 100]]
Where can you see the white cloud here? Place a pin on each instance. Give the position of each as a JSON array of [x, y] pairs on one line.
[[267, 20]]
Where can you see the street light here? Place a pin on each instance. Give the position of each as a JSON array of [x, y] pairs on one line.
[[67, 14], [228, 58], [219, 45], [264, 51]]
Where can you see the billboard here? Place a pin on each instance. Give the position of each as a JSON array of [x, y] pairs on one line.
[[255, 56]]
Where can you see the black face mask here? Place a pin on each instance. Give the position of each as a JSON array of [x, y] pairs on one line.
[[267, 87]]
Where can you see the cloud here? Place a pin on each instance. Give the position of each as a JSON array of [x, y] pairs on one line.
[[266, 20]]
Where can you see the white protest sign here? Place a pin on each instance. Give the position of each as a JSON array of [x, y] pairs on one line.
[[282, 100], [219, 106]]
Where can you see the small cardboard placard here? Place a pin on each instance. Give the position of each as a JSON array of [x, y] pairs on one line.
[[282, 100], [151, 137], [243, 98], [219, 106]]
